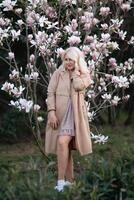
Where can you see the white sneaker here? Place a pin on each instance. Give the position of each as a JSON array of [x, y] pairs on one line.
[[60, 185], [68, 183]]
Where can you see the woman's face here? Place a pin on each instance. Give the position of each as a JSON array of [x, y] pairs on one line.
[[69, 63]]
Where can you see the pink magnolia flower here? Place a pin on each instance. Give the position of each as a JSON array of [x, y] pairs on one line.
[[120, 81], [74, 24], [122, 34], [105, 37], [60, 52], [104, 11], [17, 91], [112, 63], [125, 6], [95, 55], [131, 78], [8, 4], [74, 40], [34, 75], [7, 87], [14, 74], [115, 100]]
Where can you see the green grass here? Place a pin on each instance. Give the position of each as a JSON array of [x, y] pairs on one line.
[[107, 174]]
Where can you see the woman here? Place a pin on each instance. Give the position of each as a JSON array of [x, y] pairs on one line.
[[67, 126]]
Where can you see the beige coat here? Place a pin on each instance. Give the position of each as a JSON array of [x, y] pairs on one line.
[[58, 95]]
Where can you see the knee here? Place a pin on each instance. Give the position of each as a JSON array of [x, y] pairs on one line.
[[62, 143]]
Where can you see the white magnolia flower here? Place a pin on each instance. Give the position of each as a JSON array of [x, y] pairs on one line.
[[20, 22], [122, 34], [101, 139], [32, 58], [7, 87], [11, 55], [115, 100], [105, 37], [91, 115], [131, 78], [34, 75], [14, 74], [27, 77], [8, 4], [120, 81], [113, 45], [34, 3], [131, 41], [126, 6], [74, 40], [51, 25], [104, 11], [86, 49], [4, 22], [106, 96], [116, 23], [60, 52], [15, 34], [91, 94], [14, 103], [40, 119], [25, 105], [18, 11], [126, 97], [102, 82], [17, 91], [42, 20], [112, 63], [36, 107], [68, 1], [104, 26]]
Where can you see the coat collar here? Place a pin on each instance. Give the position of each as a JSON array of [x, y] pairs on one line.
[[62, 69]]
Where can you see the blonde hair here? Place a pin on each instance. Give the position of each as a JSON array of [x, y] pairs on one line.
[[77, 55]]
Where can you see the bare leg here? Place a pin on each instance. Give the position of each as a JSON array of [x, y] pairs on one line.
[[62, 155], [70, 168]]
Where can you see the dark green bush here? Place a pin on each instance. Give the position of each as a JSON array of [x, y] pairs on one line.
[[13, 125], [35, 180]]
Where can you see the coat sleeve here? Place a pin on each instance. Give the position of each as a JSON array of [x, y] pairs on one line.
[[81, 81], [51, 91]]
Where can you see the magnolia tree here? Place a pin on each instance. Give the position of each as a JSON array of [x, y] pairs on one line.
[[47, 28]]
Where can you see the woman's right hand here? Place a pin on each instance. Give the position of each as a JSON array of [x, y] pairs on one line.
[[52, 120]]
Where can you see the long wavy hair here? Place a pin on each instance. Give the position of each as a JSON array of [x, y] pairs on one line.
[[77, 55]]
